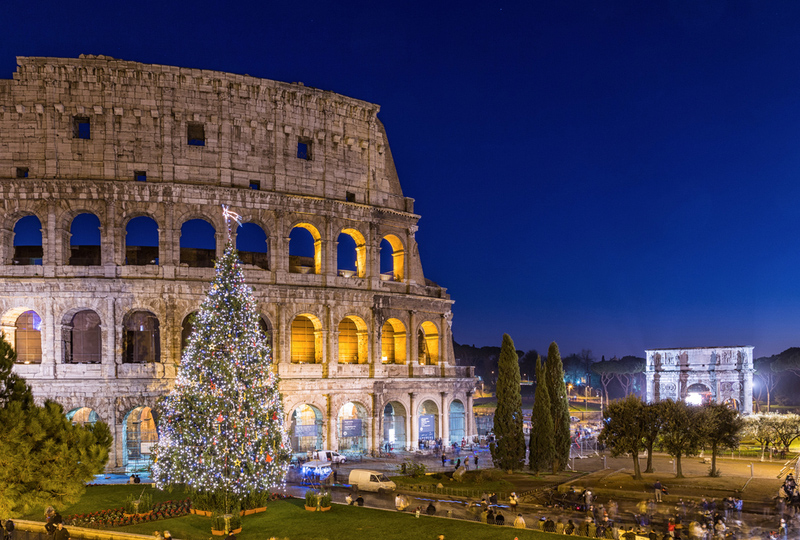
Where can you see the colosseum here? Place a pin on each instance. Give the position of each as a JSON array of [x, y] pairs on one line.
[[114, 174]]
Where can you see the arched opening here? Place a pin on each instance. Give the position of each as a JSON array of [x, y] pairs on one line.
[[141, 339], [187, 327], [251, 242], [266, 330], [82, 417], [393, 342], [394, 425], [305, 250], [352, 428], [81, 337], [428, 344], [141, 241], [733, 404], [306, 340], [353, 348], [28, 241], [351, 254], [698, 394], [428, 419], [392, 259], [139, 435], [198, 244], [305, 428], [28, 338], [84, 241], [457, 422]]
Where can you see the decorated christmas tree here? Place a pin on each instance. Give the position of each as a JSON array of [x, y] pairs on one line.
[[222, 425]]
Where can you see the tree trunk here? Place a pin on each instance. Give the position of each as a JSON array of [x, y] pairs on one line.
[[649, 467], [637, 472], [714, 471], [679, 471]]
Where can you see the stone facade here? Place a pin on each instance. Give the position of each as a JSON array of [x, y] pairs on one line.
[[101, 138], [726, 373]]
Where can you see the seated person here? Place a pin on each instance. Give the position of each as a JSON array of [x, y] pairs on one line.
[[430, 510], [499, 519], [360, 501]]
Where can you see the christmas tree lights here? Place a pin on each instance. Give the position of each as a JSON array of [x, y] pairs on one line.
[[222, 425]]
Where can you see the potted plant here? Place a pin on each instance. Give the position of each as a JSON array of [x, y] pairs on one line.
[[222, 524], [139, 506], [311, 500], [324, 501]]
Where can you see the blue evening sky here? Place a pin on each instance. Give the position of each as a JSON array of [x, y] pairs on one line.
[[613, 176]]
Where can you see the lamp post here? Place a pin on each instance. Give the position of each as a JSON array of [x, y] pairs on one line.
[[586, 391]]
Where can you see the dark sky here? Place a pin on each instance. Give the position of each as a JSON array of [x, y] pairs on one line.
[[613, 176]]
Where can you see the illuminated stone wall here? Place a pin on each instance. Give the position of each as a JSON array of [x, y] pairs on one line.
[[139, 159]]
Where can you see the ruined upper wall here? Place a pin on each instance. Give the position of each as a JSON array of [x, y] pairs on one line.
[[140, 115]]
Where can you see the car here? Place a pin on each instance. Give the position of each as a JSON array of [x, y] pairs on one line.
[[328, 455], [574, 419]]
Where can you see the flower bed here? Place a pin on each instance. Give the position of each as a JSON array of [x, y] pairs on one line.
[[117, 518]]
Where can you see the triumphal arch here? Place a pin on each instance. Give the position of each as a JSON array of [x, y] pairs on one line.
[[716, 374], [112, 174]]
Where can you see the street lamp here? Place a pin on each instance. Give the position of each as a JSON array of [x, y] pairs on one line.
[[586, 391]]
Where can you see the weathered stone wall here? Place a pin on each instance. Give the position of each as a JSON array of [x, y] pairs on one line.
[[138, 115]]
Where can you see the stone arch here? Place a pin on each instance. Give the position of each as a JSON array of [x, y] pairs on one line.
[[306, 429], [353, 340], [428, 421], [698, 393], [395, 419], [393, 342], [83, 416], [81, 337], [252, 243], [456, 420], [141, 337], [141, 240], [198, 243], [85, 245], [139, 434], [352, 427], [22, 327], [28, 241], [306, 339], [351, 253], [428, 343], [186, 329], [301, 261], [267, 330], [396, 269]]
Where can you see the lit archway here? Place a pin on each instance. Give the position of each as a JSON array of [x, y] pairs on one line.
[[393, 257], [82, 338], [84, 240], [457, 422], [28, 338], [141, 338], [82, 416], [428, 422], [28, 241], [305, 428], [393, 342], [428, 344], [394, 425], [353, 342], [351, 254], [139, 434], [305, 249], [141, 241], [187, 327], [352, 425], [198, 244], [306, 347], [251, 242], [698, 394]]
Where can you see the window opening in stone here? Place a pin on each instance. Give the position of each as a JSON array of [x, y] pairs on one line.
[[83, 416], [350, 197], [28, 338], [352, 341], [304, 149], [304, 338], [82, 339], [255, 185], [428, 422], [22, 172], [187, 327], [353, 428], [428, 344], [140, 176], [141, 340], [304, 250], [139, 436], [394, 425], [141, 241], [198, 244], [264, 329], [392, 259], [393, 342], [81, 127], [305, 429], [85, 240], [28, 241], [456, 422], [346, 255], [196, 134], [251, 242]]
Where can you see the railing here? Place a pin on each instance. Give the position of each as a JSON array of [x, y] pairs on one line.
[[469, 493]]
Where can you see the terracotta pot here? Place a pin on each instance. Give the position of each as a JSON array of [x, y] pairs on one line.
[[325, 508], [215, 532], [311, 508], [259, 510]]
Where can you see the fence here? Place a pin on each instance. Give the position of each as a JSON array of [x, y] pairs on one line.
[[469, 493]]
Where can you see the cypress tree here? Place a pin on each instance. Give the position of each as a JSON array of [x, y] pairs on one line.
[[508, 450], [541, 448], [559, 407]]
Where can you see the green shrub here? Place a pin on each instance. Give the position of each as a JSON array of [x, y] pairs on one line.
[[412, 468], [145, 504], [311, 498], [233, 520], [256, 499], [490, 475], [325, 499]]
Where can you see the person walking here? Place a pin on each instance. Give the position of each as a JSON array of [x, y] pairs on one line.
[[475, 461], [444, 459], [61, 533], [657, 487]]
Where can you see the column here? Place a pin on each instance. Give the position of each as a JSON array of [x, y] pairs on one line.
[[412, 416], [444, 432], [469, 417]]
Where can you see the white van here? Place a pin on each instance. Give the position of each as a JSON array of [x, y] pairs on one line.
[[371, 481], [328, 455]]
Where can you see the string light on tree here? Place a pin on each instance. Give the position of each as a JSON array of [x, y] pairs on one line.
[[222, 425]]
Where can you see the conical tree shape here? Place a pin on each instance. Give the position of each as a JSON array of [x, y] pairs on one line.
[[541, 448], [559, 407], [222, 425], [508, 452]]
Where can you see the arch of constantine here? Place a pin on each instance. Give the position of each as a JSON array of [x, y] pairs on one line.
[[717, 374], [113, 174]]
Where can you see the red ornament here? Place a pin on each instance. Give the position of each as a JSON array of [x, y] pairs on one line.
[[220, 418], [268, 458], [274, 416]]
